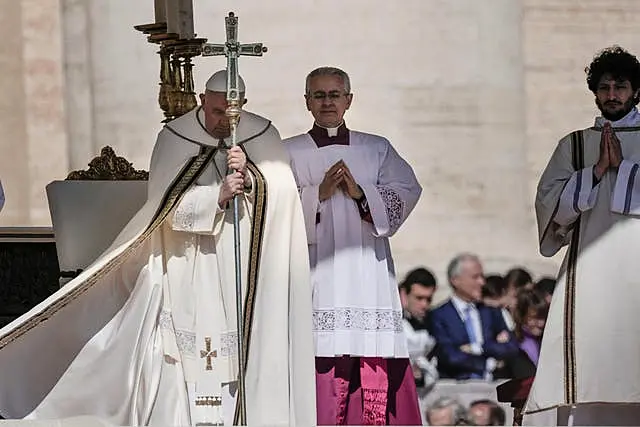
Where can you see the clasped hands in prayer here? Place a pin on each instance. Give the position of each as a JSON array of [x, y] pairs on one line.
[[236, 182], [339, 177], [610, 152]]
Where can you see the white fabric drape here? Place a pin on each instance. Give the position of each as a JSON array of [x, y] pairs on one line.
[[123, 341], [598, 358]]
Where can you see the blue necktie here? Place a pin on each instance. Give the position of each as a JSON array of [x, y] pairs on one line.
[[468, 324]]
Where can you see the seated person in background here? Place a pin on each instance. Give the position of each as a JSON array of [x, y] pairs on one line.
[[546, 286], [530, 316], [486, 412], [494, 290], [472, 340], [518, 278], [416, 295], [496, 294], [447, 411]]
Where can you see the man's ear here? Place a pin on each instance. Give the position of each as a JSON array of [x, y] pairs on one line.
[[452, 282], [403, 297], [202, 98], [349, 101], [244, 102]]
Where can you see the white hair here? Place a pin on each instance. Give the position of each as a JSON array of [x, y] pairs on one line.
[[455, 265], [328, 71], [458, 411]]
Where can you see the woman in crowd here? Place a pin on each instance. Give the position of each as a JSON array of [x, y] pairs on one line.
[[530, 317]]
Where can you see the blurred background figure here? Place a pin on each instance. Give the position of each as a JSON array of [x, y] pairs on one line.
[[530, 317], [486, 412], [516, 279], [496, 293], [494, 290], [472, 340], [447, 411], [416, 295], [545, 286]]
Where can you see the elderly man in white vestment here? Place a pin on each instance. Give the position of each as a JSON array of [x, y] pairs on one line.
[[356, 192], [589, 199], [147, 334]]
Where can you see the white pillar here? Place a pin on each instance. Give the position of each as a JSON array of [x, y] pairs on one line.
[[111, 80], [14, 169], [44, 103], [460, 100], [33, 142], [78, 82]]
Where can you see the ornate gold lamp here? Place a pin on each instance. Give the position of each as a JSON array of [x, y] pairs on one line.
[[178, 45]]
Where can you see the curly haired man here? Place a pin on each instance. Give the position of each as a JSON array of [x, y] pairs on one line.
[[588, 199]]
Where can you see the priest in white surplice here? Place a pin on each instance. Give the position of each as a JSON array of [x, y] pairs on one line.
[[147, 334], [356, 192], [589, 199]]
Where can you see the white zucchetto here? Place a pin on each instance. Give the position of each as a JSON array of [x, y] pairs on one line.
[[218, 82]]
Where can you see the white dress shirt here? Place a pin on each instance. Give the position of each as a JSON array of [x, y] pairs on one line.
[[461, 307], [476, 347]]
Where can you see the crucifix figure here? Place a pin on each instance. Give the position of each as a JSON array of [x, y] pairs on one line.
[[232, 49], [208, 353]]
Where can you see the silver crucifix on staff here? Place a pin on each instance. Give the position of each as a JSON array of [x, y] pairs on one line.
[[232, 49]]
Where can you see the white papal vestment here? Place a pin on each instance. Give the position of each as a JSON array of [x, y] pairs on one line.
[[147, 334], [588, 372], [356, 305]]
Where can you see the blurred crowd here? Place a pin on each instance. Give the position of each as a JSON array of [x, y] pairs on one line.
[[489, 329]]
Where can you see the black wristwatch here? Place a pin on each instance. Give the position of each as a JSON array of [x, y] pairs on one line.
[[362, 200]]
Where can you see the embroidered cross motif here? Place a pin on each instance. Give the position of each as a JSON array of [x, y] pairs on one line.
[[208, 354]]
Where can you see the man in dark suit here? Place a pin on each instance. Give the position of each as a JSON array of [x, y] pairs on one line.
[[472, 339]]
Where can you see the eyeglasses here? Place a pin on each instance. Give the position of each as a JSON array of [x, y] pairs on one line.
[[331, 96]]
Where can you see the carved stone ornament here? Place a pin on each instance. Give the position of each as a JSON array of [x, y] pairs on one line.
[[109, 167]]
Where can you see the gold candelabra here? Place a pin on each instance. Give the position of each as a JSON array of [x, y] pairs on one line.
[[176, 95]]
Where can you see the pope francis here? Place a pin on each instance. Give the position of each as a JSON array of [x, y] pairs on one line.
[[147, 334]]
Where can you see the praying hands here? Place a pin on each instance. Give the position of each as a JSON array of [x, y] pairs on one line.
[[610, 152], [339, 177]]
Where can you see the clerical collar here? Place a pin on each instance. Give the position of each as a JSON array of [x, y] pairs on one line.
[[330, 132], [632, 119], [330, 136]]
